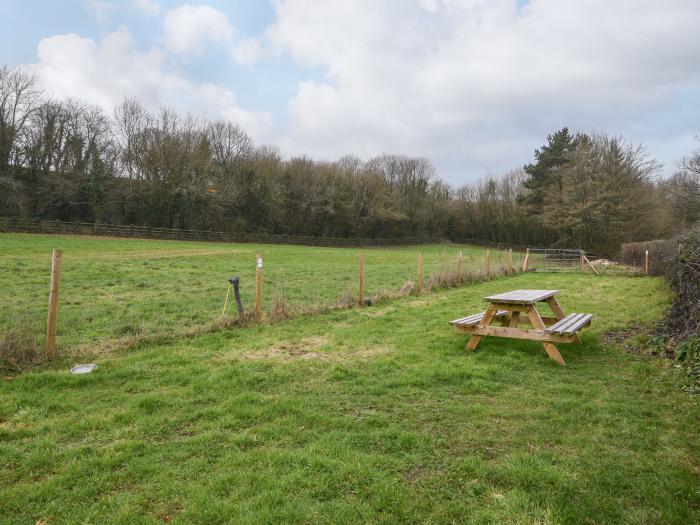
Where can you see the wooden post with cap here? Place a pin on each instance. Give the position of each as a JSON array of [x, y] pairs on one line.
[[510, 261], [420, 273], [526, 260], [459, 268], [646, 261], [361, 300], [52, 317], [258, 286]]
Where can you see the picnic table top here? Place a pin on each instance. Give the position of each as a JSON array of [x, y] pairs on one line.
[[521, 296]]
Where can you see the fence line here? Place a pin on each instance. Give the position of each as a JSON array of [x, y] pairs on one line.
[[24, 225], [103, 302], [18, 225]]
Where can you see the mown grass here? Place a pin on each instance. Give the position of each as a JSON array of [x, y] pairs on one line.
[[118, 288], [372, 415]]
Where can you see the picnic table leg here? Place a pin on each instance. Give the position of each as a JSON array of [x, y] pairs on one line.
[[514, 319], [556, 308], [486, 320], [550, 348]]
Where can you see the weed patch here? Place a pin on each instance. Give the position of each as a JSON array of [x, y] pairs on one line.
[[20, 349]]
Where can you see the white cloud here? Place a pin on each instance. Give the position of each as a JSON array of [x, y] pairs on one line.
[[104, 73], [247, 51], [146, 7], [479, 83], [189, 28], [99, 10]]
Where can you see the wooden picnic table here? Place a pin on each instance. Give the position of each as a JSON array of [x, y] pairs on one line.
[[520, 307]]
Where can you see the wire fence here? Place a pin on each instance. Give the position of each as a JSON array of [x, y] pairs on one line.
[[110, 297]]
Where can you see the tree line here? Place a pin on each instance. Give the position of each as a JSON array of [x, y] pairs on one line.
[[66, 160]]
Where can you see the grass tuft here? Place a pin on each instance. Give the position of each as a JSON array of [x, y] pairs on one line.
[[20, 349]]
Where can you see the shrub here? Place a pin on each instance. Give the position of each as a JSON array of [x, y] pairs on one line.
[[661, 254], [684, 276]]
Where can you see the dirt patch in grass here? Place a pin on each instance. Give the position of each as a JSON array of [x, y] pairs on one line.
[[305, 348], [379, 312], [423, 301], [369, 352], [310, 348]]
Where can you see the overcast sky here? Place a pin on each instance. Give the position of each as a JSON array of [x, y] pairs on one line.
[[474, 85]]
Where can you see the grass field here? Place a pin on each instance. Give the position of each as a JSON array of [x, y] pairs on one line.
[[373, 415], [118, 288]]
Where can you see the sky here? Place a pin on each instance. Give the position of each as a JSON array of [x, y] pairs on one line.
[[473, 85]]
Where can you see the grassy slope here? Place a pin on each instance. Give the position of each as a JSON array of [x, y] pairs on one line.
[[374, 415], [115, 287]]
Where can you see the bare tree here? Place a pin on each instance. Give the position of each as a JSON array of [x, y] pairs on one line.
[[19, 98]]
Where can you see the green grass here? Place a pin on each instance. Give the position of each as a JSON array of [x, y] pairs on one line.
[[373, 415], [115, 288]]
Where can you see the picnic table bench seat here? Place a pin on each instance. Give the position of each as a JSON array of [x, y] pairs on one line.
[[571, 324], [471, 320]]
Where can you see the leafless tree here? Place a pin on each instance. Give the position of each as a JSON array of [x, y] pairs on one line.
[[19, 98]]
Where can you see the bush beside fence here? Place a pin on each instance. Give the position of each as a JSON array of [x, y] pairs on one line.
[[661, 253]]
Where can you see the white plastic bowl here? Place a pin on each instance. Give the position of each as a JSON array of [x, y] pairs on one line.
[[83, 369]]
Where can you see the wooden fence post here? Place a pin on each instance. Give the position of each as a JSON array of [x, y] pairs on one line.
[[258, 286], [595, 270], [646, 261], [582, 261], [420, 273], [487, 263], [52, 318], [459, 268], [526, 260], [510, 261], [362, 280]]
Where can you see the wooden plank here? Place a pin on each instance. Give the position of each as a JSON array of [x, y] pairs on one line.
[[567, 324], [571, 324], [521, 296], [512, 307], [561, 325], [519, 333], [595, 270], [475, 318]]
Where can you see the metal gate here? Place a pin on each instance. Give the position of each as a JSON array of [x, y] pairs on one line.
[[557, 260]]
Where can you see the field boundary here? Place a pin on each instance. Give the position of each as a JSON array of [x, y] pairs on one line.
[[19, 225], [42, 226]]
